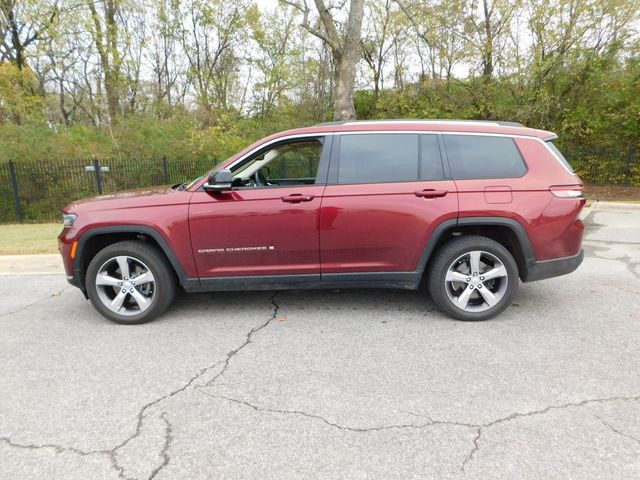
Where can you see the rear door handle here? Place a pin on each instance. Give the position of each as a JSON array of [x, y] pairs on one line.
[[430, 193], [297, 198]]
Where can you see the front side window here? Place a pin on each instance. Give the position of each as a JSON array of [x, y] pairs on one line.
[[378, 158], [477, 156], [292, 163]]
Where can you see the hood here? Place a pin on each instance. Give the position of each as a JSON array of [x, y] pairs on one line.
[[143, 197]]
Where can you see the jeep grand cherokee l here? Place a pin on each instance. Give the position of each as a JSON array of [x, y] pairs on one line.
[[471, 207]]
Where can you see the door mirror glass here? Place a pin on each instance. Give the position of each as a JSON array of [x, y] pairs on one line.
[[219, 181]]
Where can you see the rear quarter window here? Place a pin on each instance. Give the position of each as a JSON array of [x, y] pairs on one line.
[[561, 158], [477, 156]]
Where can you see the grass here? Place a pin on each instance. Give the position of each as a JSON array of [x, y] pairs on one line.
[[29, 239]]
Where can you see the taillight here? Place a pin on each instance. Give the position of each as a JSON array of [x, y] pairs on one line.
[[567, 191]]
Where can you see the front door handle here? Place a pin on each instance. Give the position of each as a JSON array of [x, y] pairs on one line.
[[430, 193], [297, 198]]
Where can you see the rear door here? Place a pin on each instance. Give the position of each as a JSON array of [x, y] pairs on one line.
[[385, 195]]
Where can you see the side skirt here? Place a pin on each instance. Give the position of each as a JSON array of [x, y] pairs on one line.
[[398, 280]]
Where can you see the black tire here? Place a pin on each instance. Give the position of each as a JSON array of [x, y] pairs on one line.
[[449, 253], [154, 259]]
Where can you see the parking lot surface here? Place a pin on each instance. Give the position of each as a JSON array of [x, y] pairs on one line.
[[322, 384]]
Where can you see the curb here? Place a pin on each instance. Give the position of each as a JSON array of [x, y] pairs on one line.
[[617, 205], [50, 264], [587, 211]]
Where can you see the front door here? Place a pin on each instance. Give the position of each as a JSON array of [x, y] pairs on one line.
[[267, 225]]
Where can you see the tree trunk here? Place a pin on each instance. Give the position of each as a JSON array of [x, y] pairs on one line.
[[346, 59], [112, 89], [343, 106], [487, 53]]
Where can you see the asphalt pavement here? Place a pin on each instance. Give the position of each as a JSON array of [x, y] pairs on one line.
[[321, 384]]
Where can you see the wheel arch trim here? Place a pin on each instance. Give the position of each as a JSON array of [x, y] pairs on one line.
[[139, 229], [513, 225]]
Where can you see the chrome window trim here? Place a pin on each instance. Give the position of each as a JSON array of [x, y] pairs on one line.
[[434, 132], [423, 132], [276, 140]]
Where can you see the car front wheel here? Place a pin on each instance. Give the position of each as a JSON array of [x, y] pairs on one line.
[[130, 282], [473, 278]]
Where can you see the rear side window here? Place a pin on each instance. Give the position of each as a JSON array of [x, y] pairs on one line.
[[378, 158], [477, 156]]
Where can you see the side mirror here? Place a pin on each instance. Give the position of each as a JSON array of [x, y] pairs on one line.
[[219, 181]]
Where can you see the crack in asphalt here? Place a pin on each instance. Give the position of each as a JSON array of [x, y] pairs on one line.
[[247, 341], [62, 449], [632, 265], [623, 434], [479, 428], [143, 412], [542, 411], [189, 384], [53, 446], [35, 302], [168, 438], [325, 420], [474, 450]]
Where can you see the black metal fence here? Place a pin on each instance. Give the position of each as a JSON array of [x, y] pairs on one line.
[[606, 166], [37, 191]]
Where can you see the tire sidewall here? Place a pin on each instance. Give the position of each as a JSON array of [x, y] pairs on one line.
[[164, 288], [453, 250]]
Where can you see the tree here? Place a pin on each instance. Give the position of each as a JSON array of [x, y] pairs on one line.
[[210, 33], [345, 48], [376, 45], [105, 32], [18, 34], [273, 34], [168, 65]]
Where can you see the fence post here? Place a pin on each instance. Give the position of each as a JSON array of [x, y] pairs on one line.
[[16, 192], [165, 169], [631, 153], [98, 172]]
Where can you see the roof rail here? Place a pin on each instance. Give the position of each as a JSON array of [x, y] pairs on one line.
[[356, 122], [510, 124]]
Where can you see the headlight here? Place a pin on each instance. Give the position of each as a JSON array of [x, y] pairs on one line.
[[68, 219]]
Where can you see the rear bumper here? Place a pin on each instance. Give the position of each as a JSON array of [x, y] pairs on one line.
[[553, 268]]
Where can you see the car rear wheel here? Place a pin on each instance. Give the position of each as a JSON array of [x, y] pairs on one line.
[[473, 278], [130, 282]]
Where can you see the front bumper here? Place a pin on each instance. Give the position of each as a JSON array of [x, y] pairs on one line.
[[66, 241], [553, 268]]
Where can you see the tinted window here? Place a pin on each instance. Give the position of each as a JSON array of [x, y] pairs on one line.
[[299, 160], [293, 163], [376, 158], [476, 156], [430, 162]]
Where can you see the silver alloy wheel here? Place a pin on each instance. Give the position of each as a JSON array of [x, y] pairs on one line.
[[125, 285], [476, 281]]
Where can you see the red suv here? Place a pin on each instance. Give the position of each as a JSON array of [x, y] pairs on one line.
[[469, 206]]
